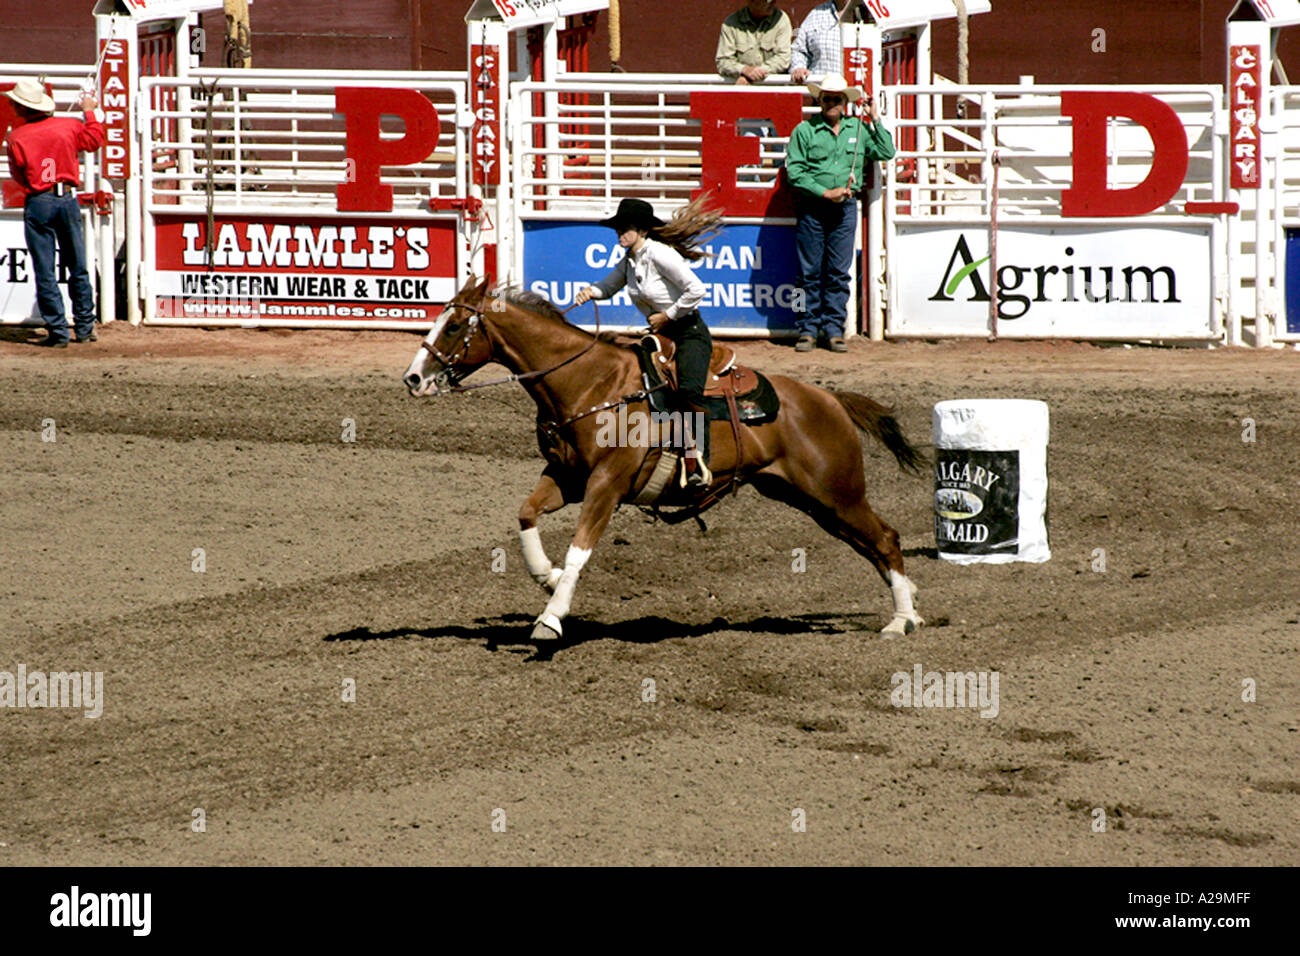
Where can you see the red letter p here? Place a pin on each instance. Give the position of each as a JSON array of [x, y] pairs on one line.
[[362, 107]]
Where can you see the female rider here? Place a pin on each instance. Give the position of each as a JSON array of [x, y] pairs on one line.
[[666, 290]]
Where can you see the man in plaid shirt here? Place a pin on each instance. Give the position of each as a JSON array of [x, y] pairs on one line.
[[816, 50]]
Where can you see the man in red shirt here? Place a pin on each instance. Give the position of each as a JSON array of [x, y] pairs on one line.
[[44, 162]]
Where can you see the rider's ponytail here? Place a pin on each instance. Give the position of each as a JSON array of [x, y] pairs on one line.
[[691, 225]]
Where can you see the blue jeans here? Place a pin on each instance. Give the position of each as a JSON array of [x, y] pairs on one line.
[[824, 243], [51, 221]]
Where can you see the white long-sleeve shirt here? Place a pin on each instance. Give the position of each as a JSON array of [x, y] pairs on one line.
[[816, 47], [657, 278]]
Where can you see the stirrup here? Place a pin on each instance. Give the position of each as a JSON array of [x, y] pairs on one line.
[[699, 479]]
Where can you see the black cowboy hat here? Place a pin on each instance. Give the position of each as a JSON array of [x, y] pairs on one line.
[[633, 213]]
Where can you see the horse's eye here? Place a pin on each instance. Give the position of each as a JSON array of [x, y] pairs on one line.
[[453, 327]]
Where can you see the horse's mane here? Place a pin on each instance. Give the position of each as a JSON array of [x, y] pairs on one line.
[[531, 301], [544, 307], [541, 306]]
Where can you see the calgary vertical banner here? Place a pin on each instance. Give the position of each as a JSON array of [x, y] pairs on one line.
[[485, 100], [1244, 77]]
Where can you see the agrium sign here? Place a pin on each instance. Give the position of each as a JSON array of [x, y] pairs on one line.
[[1110, 282]]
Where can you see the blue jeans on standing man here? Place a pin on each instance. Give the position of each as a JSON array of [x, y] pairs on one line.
[[824, 244], [51, 221]]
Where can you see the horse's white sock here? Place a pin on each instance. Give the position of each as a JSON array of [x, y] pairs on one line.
[[901, 588], [563, 596], [535, 559]]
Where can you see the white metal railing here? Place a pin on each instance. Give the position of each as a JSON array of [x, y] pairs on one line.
[[275, 138], [253, 144], [1283, 174], [1000, 157], [949, 171], [598, 138]]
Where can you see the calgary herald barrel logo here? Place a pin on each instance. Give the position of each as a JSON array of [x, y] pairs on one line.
[[970, 485], [956, 504]]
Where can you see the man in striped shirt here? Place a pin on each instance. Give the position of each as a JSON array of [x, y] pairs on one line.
[[816, 50]]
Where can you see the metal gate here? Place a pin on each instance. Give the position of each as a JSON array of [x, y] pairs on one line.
[[243, 218]]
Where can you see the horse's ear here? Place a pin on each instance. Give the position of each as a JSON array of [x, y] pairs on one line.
[[482, 290], [464, 290]]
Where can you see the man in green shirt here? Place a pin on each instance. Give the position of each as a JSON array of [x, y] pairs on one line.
[[754, 43], [825, 161]]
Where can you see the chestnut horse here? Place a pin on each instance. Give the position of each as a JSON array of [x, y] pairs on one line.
[[809, 457]]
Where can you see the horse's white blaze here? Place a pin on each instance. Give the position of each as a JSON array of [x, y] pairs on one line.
[[574, 561], [535, 559], [420, 364]]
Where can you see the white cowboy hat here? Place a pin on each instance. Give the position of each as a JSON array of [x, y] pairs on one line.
[[835, 83], [31, 94]]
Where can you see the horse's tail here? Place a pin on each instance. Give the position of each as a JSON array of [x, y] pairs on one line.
[[876, 420]]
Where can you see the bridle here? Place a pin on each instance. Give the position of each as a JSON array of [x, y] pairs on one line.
[[477, 314], [449, 362]]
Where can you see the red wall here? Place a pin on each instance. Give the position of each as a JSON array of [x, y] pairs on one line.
[[1152, 41]]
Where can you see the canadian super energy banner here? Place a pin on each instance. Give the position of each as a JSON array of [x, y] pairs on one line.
[[749, 277]]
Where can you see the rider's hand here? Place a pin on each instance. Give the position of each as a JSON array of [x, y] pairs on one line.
[[586, 295], [838, 194], [88, 102], [657, 321]]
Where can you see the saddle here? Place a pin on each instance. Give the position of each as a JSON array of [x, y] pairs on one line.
[[726, 384], [732, 393]]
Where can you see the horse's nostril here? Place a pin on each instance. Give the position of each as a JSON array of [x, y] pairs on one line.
[[411, 381]]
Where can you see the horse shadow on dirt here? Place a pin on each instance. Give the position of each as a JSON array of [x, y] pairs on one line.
[[513, 631]]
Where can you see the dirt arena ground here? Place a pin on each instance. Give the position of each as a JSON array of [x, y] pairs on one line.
[[372, 561]]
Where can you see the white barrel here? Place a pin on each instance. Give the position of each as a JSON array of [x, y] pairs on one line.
[[990, 480]]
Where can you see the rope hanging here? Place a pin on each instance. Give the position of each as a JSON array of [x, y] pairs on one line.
[[615, 36], [239, 42], [209, 89], [963, 43]]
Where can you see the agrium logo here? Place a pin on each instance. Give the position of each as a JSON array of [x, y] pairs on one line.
[[1070, 278]]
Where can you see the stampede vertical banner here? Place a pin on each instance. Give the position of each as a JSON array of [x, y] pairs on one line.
[[1244, 77], [115, 83], [857, 68]]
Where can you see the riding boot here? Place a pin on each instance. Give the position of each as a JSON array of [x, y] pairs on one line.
[[695, 448]]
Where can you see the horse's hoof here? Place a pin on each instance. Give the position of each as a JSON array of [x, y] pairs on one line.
[[547, 629], [899, 627]]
